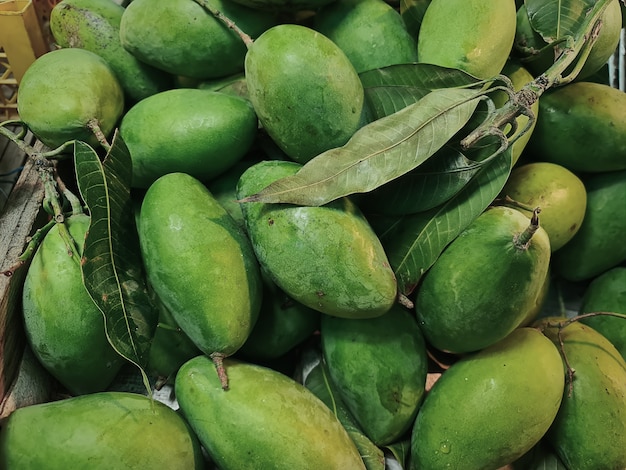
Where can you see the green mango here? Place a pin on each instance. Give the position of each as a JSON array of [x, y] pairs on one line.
[[491, 407], [199, 132], [266, 419], [63, 325], [224, 188], [200, 264], [475, 36], [311, 98], [599, 244], [182, 38], [170, 347], [379, 367], [559, 193], [319, 382], [484, 283], [370, 32], [328, 258], [64, 92], [581, 126], [607, 293], [589, 431], [104, 430], [282, 325], [233, 84], [95, 25]]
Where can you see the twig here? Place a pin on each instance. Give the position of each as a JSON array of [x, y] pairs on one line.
[[560, 325], [230, 24], [521, 102]]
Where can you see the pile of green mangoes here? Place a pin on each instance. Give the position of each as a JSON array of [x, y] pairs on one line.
[[332, 280]]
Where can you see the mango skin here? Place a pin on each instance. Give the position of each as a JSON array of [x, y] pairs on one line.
[[182, 38], [199, 263], [482, 286], [328, 258], [63, 325], [472, 35], [170, 347], [379, 367], [521, 380], [265, 420], [311, 99], [559, 193], [581, 126], [597, 405], [105, 430], [607, 293], [95, 25], [598, 245], [65, 89], [199, 132], [370, 32], [282, 325]]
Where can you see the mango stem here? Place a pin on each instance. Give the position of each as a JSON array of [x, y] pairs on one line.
[[218, 361], [522, 240], [230, 24]]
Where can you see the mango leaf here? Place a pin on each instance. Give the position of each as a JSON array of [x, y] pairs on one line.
[[318, 381], [418, 75], [389, 89], [414, 242], [378, 152], [400, 451], [558, 20], [111, 266], [425, 187]]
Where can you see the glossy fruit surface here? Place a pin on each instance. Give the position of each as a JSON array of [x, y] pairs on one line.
[[559, 193], [472, 35], [65, 90], [311, 99], [187, 237], [490, 408], [596, 404], [199, 132], [265, 420], [484, 283], [105, 430], [327, 258], [63, 325]]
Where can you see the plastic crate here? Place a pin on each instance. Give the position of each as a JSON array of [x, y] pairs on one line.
[[24, 36]]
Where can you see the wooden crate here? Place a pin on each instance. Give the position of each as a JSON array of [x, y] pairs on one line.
[[22, 215], [24, 36]]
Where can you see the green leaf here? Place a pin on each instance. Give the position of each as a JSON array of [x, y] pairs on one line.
[[318, 381], [427, 186], [558, 20], [414, 242], [389, 89], [378, 152], [112, 267], [400, 451]]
